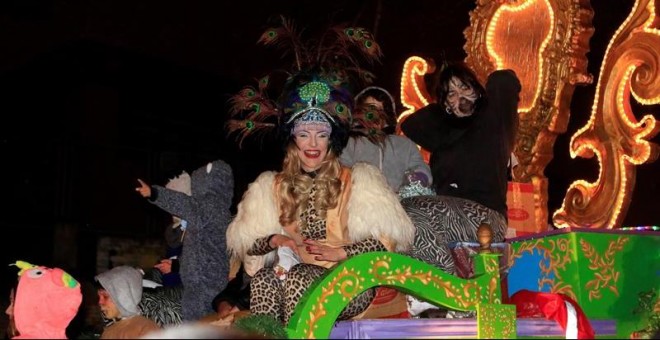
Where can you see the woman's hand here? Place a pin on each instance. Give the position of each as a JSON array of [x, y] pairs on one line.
[[279, 240], [144, 189], [325, 253], [165, 266]]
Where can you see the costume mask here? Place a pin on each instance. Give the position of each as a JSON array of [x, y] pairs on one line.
[[461, 98]]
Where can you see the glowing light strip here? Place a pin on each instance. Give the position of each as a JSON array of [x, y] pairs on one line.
[[647, 28], [621, 195], [622, 105], [581, 147], [594, 108], [499, 63], [647, 25], [642, 228], [413, 67]]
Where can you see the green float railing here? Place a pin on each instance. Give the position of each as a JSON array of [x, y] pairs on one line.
[[322, 303]]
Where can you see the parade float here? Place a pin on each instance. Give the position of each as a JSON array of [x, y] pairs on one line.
[[608, 272]]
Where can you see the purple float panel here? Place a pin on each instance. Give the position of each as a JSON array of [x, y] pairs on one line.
[[454, 328]]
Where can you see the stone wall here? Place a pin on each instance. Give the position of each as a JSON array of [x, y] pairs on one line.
[[117, 251]]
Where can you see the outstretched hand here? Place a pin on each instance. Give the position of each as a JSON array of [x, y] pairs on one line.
[[325, 253], [144, 189]]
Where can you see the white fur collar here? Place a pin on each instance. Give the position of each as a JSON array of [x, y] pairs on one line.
[[374, 209], [258, 214]]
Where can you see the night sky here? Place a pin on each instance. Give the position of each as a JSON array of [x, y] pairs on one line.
[[100, 93]]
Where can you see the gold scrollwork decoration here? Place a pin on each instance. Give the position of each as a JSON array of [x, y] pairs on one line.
[[613, 134], [557, 254], [318, 309], [349, 282], [550, 39], [603, 266], [460, 294], [491, 314]]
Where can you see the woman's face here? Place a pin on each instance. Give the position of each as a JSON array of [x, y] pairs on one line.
[[461, 98], [312, 141]]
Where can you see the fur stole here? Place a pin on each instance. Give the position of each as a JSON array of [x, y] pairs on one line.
[[367, 212], [258, 214]]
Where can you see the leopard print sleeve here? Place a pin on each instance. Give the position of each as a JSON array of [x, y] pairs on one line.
[[365, 246], [261, 247]]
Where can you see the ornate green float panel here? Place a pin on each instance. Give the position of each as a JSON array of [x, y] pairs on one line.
[[319, 308]]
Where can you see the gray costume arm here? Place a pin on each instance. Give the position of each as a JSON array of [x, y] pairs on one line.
[[347, 155], [195, 210]]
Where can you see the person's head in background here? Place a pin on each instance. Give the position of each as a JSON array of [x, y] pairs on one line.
[[375, 114], [11, 324], [459, 91], [119, 291], [46, 301]]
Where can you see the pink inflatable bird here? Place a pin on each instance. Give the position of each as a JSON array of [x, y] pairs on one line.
[[47, 299]]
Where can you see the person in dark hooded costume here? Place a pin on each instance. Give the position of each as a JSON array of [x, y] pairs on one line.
[[204, 265]]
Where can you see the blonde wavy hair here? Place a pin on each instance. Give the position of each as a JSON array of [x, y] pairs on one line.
[[295, 186]]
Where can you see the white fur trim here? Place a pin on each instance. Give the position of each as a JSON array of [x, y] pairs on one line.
[[374, 209], [257, 216]]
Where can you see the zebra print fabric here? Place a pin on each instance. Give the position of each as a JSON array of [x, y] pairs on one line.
[[440, 220], [162, 304]]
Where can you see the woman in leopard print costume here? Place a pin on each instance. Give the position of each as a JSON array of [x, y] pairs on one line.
[[323, 212]]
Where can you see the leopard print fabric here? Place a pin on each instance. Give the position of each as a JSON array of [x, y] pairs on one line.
[[261, 247], [267, 290], [313, 226], [368, 245], [272, 296], [440, 220]]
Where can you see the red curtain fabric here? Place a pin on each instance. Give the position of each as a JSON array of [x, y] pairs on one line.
[[551, 306]]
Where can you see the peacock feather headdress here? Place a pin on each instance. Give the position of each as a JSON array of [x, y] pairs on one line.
[[319, 82]]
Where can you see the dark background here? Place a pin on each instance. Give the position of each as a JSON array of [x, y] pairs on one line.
[[95, 94]]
